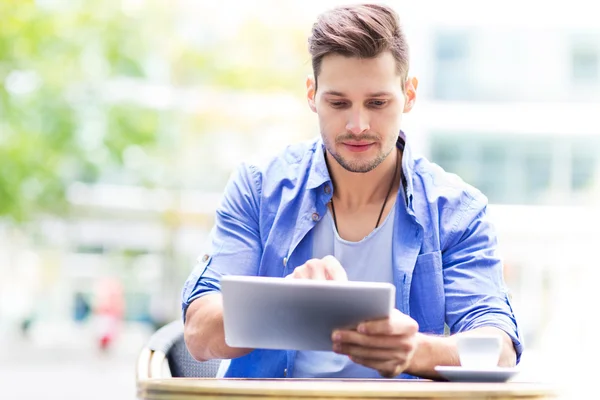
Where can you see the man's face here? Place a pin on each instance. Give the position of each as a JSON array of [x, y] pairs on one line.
[[360, 103]]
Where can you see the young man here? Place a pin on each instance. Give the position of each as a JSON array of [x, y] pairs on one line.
[[356, 205]]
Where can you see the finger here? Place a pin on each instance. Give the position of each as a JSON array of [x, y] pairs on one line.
[[315, 269], [372, 341], [397, 324], [299, 273], [387, 369], [366, 352], [334, 269], [392, 372]]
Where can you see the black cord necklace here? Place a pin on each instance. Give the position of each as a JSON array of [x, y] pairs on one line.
[[384, 201]]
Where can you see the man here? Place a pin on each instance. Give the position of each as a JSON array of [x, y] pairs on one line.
[[356, 205]]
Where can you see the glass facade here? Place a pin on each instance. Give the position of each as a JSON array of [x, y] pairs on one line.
[[521, 169]]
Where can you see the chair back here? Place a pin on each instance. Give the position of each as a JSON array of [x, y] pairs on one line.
[[166, 355]]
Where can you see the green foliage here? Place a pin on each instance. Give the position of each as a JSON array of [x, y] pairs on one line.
[[53, 63], [59, 62]]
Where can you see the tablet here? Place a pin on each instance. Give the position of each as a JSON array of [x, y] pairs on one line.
[[298, 314]]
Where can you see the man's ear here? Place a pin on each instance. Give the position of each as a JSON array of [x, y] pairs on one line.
[[311, 92], [410, 92]]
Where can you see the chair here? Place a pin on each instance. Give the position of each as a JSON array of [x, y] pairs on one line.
[[166, 355]]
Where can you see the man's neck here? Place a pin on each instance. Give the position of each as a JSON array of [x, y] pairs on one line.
[[354, 190]]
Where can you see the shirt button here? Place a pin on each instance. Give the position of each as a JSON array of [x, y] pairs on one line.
[[285, 373], [285, 261], [327, 189], [205, 258], [315, 217]]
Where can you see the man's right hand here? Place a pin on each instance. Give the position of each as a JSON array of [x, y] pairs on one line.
[[328, 268]]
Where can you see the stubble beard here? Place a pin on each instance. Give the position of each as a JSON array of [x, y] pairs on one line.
[[354, 166]]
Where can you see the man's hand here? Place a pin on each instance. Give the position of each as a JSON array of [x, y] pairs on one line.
[[327, 268], [386, 345]]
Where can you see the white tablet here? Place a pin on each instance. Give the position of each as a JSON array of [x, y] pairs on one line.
[[298, 314]]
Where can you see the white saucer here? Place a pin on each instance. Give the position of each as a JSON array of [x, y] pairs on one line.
[[462, 374]]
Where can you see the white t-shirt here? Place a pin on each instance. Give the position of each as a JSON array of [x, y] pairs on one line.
[[369, 260]]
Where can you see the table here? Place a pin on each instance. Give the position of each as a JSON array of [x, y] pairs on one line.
[[305, 389]]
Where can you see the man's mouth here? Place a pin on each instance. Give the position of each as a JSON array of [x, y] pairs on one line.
[[358, 146]]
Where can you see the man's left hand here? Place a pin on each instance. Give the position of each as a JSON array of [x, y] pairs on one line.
[[386, 345]]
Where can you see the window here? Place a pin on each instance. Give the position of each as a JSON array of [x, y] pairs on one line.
[[585, 64], [451, 79], [584, 164], [523, 169]]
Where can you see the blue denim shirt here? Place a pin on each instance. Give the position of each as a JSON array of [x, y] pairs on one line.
[[446, 266]]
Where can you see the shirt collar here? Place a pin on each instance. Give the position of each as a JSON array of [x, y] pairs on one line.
[[407, 168], [319, 174]]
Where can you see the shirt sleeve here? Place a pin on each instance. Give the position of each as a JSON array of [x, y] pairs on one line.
[[234, 245], [476, 295]]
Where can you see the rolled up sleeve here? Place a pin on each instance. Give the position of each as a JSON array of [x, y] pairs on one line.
[[476, 295], [234, 244]]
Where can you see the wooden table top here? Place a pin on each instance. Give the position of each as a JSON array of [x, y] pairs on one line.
[[188, 388]]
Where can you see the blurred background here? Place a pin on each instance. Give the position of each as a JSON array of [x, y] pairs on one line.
[[121, 120]]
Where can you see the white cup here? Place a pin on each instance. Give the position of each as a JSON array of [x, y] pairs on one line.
[[479, 352]]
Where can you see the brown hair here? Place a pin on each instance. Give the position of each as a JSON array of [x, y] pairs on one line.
[[362, 30]]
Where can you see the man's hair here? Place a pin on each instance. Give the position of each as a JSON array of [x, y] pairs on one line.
[[363, 31]]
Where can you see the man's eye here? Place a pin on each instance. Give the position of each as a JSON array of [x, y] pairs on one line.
[[378, 103], [338, 104]]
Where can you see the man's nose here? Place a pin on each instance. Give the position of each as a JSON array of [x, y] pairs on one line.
[[358, 122]]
